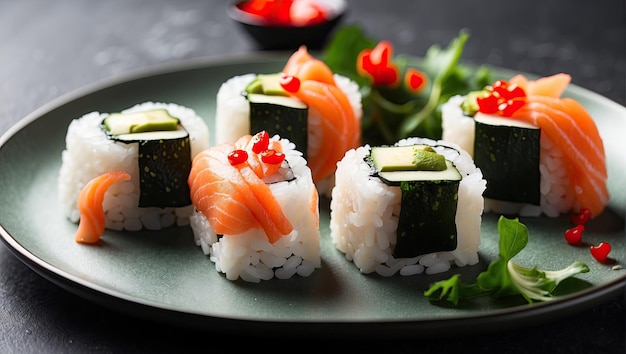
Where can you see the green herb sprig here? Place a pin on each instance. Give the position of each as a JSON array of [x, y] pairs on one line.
[[504, 277], [394, 113]]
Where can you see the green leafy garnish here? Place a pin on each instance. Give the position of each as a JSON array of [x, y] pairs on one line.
[[393, 112], [504, 277]]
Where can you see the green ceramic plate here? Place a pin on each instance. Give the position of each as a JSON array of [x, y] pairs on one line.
[[164, 276]]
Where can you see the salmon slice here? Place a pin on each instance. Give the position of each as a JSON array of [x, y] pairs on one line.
[[550, 86], [215, 193], [574, 132], [92, 220], [260, 168], [296, 59], [234, 199], [270, 214], [304, 66], [340, 129]]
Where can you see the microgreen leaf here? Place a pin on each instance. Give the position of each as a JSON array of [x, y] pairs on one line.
[[504, 277], [513, 237]]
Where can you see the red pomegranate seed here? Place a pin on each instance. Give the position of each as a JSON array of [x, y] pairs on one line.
[[488, 105], [260, 142], [236, 157], [289, 82], [581, 217], [601, 251], [511, 106], [272, 157], [574, 235]]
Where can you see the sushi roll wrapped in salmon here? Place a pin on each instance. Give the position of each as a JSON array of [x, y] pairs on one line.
[[151, 143], [256, 209], [317, 110], [540, 153], [414, 207]]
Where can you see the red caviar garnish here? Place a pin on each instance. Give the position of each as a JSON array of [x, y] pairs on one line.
[[289, 82], [272, 156], [601, 251], [414, 80], [237, 157], [574, 235], [260, 142], [377, 65], [504, 99], [581, 217]]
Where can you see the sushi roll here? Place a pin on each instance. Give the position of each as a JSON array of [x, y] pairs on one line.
[[154, 143], [317, 110], [541, 154], [413, 207], [256, 209]]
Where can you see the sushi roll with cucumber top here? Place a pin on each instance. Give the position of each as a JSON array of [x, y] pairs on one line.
[[256, 209], [305, 102], [154, 143], [412, 207], [541, 154]]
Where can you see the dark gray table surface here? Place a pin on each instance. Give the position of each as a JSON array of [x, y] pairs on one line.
[[50, 48]]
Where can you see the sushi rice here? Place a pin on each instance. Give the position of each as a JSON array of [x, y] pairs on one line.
[[365, 211], [89, 153], [250, 256]]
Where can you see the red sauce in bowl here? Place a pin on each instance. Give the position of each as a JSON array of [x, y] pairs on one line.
[[286, 13]]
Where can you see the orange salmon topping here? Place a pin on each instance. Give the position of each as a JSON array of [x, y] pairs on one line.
[[573, 131], [91, 225]]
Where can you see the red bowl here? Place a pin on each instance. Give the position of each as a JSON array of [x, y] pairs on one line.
[[288, 37]]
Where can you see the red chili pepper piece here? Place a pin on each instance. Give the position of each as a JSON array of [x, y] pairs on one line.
[[601, 251], [237, 157], [272, 156], [289, 82], [377, 65], [574, 235], [581, 217], [260, 142], [414, 80]]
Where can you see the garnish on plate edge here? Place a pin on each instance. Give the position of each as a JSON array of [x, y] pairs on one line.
[[504, 277]]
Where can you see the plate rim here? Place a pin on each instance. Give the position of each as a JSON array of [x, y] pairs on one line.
[[111, 298]]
